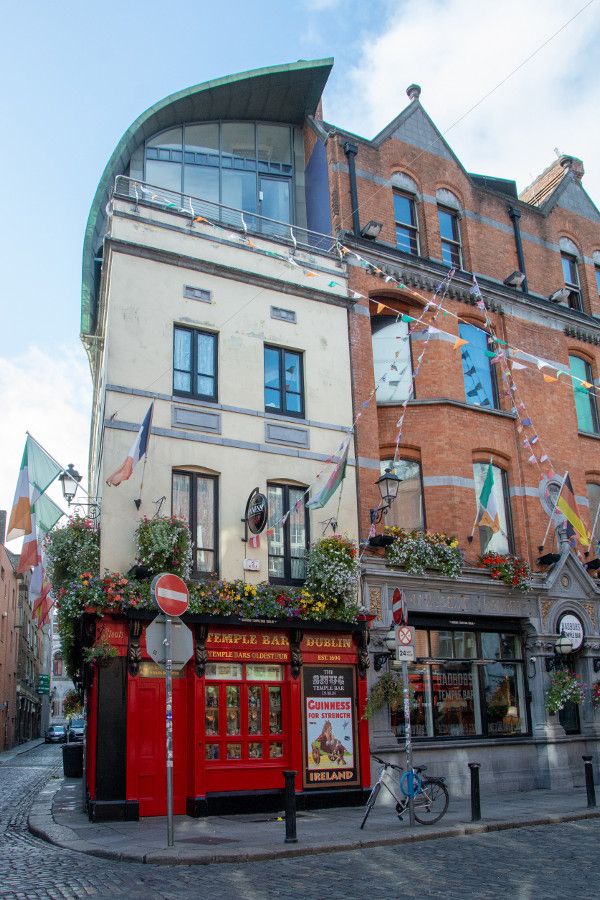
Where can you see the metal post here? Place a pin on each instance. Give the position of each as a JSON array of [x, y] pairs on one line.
[[290, 807], [589, 782], [169, 729], [475, 797], [408, 736]]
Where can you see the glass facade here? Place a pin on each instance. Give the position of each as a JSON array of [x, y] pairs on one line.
[[391, 347], [465, 683], [478, 373]]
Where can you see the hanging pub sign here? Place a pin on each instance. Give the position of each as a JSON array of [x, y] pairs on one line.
[[572, 626], [257, 511], [329, 727]]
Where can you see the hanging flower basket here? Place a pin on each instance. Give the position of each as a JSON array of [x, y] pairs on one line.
[[512, 570], [388, 690], [596, 695], [164, 545], [565, 687], [417, 551]]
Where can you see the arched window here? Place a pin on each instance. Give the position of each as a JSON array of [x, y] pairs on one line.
[[57, 665], [449, 213], [493, 508], [408, 510], [596, 258], [405, 213], [569, 256], [391, 347], [585, 399], [479, 375]]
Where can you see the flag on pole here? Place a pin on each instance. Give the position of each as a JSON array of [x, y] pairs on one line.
[[30, 553], [38, 471], [333, 482], [139, 448], [488, 516], [39, 595], [567, 504]]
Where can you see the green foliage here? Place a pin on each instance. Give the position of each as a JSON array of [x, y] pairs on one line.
[[70, 550], [417, 551], [165, 545], [565, 687], [388, 690], [99, 653], [333, 571], [72, 704]]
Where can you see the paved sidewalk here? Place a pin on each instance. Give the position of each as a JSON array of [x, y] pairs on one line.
[[18, 749], [57, 816]]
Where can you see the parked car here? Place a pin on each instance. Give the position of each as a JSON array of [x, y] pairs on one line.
[[76, 730], [56, 734]]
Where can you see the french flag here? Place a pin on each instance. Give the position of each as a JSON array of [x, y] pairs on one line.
[[139, 448]]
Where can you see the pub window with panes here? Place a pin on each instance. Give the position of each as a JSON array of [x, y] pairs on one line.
[[288, 536], [284, 381], [450, 237], [405, 218], [571, 277], [244, 713], [195, 499], [194, 363]]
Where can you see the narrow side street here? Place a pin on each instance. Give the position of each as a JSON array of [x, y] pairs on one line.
[[520, 863]]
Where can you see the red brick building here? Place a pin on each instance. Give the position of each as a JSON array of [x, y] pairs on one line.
[[9, 592], [503, 393]]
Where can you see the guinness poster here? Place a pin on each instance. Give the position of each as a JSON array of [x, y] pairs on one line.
[[329, 733]]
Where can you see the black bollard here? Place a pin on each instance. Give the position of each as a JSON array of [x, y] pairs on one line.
[[589, 782], [475, 797], [290, 807]]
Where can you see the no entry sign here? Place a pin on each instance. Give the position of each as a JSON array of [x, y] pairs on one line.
[[399, 612], [170, 594]]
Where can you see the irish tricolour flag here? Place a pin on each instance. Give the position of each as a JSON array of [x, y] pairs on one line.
[[487, 516], [139, 448]]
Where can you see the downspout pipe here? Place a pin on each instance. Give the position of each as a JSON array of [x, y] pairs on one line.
[[351, 151], [515, 215]]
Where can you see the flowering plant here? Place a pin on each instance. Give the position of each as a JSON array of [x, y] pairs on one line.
[[512, 570], [565, 687], [72, 549], [596, 694], [99, 653], [416, 551], [388, 690], [165, 545], [332, 572]]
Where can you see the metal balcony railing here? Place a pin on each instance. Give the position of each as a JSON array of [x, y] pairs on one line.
[[293, 236]]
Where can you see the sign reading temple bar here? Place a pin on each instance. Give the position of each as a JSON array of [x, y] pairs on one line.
[[329, 727]]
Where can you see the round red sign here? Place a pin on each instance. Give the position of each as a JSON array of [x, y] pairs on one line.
[[170, 593]]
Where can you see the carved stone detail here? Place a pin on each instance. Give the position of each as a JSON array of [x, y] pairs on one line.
[[546, 607], [296, 636], [591, 611], [364, 636], [200, 651], [134, 651], [375, 594]]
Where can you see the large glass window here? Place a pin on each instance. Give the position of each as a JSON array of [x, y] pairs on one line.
[[478, 373], [491, 541], [585, 399], [405, 217], [227, 164], [288, 544], [571, 277], [195, 363], [392, 359], [194, 499], [450, 237], [284, 388], [407, 511], [465, 683]]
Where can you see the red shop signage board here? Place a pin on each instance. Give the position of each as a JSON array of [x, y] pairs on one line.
[[329, 727], [251, 646], [329, 647], [170, 593]]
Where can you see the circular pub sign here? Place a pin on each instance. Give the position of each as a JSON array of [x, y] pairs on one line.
[[257, 512], [170, 594], [572, 626]]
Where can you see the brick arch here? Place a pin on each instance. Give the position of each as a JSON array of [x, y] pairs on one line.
[[409, 452], [583, 353], [403, 299], [500, 459]]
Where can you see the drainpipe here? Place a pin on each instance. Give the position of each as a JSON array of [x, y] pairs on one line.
[[351, 150], [515, 215]]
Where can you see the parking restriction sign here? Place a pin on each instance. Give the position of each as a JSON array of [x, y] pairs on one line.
[[405, 635]]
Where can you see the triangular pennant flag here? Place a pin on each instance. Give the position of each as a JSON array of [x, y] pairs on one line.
[[406, 318], [586, 384], [380, 307], [549, 378], [459, 342], [532, 459], [517, 365]]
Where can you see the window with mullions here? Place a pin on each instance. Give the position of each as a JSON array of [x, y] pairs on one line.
[[405, 217], [288, 544], [195, 499], [585, 399], [194, 363], [284, 388], [571, 277], [478, 372], [465, 684], [491, 541], [407, 511], [392, 362], [450, 237]]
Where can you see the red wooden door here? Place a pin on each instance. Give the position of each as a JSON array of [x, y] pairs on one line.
[[150, 746]]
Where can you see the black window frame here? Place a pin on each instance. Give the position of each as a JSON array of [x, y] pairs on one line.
[[575, 299], [455, 245], [413, 230], [193, 372], [196, 574], [287, 552], [282, 410]]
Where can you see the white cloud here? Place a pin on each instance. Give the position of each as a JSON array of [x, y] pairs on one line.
[[458, 51], [49, 395]]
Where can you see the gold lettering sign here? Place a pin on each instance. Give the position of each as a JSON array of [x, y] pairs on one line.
[[320, 642], [247, 639], [149, 669]]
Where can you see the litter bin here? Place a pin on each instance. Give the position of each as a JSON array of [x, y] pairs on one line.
[[73, 760]]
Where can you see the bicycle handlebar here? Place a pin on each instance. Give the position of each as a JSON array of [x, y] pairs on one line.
[[387, 764]]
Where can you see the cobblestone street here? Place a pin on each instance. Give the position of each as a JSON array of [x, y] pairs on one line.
[[542, 862]]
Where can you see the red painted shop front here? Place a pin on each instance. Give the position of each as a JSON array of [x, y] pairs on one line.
[[253, 702]]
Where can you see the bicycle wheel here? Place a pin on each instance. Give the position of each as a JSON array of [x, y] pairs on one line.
[[371, 802], [431, 802]]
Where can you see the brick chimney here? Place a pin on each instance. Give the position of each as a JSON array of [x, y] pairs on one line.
[[2, 525]]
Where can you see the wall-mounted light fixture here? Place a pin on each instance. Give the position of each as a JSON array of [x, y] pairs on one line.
[[563, 647], [371, 230], [388, 485], [515, 279]]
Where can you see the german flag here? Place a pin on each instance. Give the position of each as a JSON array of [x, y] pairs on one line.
[[567, 504]]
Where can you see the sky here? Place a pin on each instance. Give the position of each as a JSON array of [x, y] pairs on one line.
[[74, 76]]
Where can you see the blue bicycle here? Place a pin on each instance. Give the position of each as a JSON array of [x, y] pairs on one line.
[[430, 795]]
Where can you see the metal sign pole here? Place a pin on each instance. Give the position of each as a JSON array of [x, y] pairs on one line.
[[408, 736], [169, 729]]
